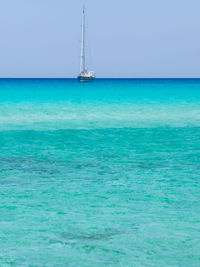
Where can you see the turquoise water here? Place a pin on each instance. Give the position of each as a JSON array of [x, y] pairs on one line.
[[100, 174]]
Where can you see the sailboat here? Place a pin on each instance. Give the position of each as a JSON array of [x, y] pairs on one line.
[[85, 75]]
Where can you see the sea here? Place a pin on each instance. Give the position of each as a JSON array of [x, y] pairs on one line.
[[105, 173]]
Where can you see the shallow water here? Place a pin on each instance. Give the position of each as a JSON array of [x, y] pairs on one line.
[[100, 174]]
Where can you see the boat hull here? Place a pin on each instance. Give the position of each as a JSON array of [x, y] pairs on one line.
[[85, 79]]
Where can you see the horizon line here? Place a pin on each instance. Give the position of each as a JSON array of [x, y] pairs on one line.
[[103, 78]]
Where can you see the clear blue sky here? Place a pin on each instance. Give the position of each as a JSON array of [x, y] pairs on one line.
[[129, 38]]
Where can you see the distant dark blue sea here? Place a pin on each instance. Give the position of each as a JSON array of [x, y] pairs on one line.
[[105, 173]]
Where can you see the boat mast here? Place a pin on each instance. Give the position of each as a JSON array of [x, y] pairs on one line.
[[82, 63]]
